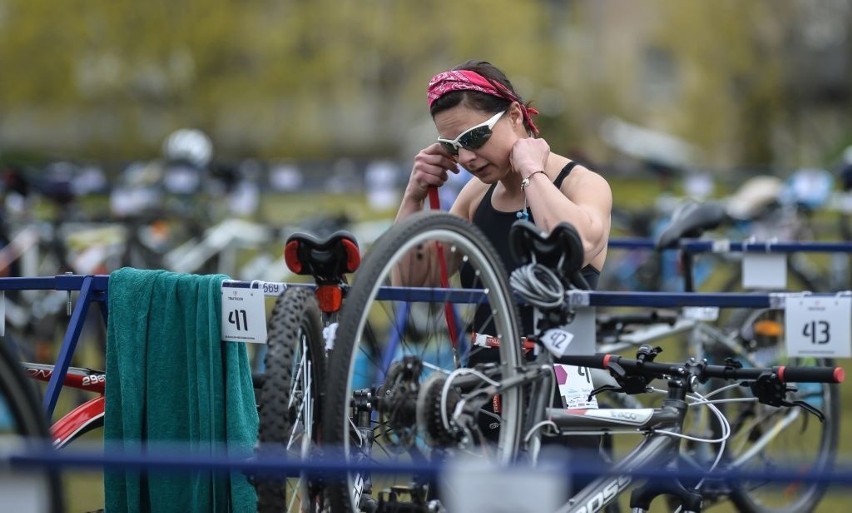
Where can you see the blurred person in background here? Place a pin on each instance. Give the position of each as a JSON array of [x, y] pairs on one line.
[[485, 127]]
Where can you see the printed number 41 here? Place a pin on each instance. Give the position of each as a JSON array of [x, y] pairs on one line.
[[817, 331], [239, 319]]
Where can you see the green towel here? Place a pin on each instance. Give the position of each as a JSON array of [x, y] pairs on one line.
[[170, 380]]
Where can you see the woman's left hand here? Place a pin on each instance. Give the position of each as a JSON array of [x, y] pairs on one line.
[[529, 154]]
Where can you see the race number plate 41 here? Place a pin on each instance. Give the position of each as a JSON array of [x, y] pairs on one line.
[[243, 315]]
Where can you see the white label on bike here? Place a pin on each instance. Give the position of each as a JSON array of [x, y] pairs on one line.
[[701, 313], [818, 326], [243, 315], [637, 416], [575, 386], [576, 338], [764, 271], [271, 288], [328, 334]]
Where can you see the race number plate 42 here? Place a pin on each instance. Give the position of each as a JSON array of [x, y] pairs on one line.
[[243, 315]]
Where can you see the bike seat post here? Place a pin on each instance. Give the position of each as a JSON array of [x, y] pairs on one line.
[[687, 260]]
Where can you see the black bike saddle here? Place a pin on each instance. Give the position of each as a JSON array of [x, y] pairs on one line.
[[690, 222], [560, 250], [328, 257]]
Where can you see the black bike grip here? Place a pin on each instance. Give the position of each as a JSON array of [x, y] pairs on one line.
[[810, 374], [593, 361]]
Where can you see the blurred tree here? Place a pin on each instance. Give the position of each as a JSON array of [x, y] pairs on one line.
[[294, 77], [324, 78]]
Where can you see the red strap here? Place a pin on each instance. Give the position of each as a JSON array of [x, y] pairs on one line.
[[449, 313]]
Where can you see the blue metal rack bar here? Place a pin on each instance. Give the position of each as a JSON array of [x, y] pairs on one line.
[[95, 289], [180, 459], [92, 289], [727, 246]]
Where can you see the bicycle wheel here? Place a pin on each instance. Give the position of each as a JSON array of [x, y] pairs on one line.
[[22, 424], [392, 397], [289, 398], [766, 439]]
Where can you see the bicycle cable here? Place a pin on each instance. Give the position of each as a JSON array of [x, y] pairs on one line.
[[538, 284]]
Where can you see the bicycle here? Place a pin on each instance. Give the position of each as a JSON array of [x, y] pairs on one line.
[[295, 364], [424, 402], [23, 425], [755, 338]]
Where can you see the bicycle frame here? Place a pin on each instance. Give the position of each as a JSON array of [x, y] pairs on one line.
[[659, 448], [84, 417]]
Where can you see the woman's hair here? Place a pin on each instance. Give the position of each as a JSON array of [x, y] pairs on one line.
[[475, 99]]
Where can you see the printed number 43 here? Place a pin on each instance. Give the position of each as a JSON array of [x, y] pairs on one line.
[[817, 331]]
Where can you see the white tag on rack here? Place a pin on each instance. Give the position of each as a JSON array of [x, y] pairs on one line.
[[818, 326], [701, 313], [575, 338], [764, 271], [575, 386], [243, 315]]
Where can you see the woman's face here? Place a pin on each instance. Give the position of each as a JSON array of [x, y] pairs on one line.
[[490, 161]]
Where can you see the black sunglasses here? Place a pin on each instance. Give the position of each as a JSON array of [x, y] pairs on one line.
[[473, 138]]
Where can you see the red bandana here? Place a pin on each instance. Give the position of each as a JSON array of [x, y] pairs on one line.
[[466, 80]]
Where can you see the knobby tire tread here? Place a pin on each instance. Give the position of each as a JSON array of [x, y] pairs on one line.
[[295, 313]]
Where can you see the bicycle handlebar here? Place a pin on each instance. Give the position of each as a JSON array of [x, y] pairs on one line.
[[786, 374]]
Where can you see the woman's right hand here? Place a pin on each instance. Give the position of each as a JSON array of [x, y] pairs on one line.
[[431, 167]]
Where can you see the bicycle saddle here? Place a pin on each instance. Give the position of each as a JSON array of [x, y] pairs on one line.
[[560, 250], [326, 257], [690, 222]]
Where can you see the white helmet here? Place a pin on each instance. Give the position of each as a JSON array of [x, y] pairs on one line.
[[190, 145]]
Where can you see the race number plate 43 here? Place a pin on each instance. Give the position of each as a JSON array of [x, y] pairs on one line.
[[818, 326], [243, 315]]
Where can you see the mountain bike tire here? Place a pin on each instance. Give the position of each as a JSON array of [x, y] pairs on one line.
[[405, 362], [290, 399], [24, 425]]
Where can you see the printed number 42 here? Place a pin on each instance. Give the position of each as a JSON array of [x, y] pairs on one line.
[[239, 318], [817, 331]]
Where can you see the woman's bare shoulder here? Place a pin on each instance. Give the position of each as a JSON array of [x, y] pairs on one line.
[[469, 198], [581, 174]]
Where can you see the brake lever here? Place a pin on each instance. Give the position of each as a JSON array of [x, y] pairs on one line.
[[768, 389], [632, 385]]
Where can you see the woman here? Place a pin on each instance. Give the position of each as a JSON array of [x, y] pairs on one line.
[[485, 126]]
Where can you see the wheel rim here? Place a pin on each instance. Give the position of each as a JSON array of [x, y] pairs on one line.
[[399, 344]]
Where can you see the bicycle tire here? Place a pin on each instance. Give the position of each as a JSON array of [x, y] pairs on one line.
[[289, 398], [24, 425], [791, 448], [800, 440], [394, 432]]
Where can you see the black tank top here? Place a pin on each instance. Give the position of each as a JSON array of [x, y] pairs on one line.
[[495, 224]]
